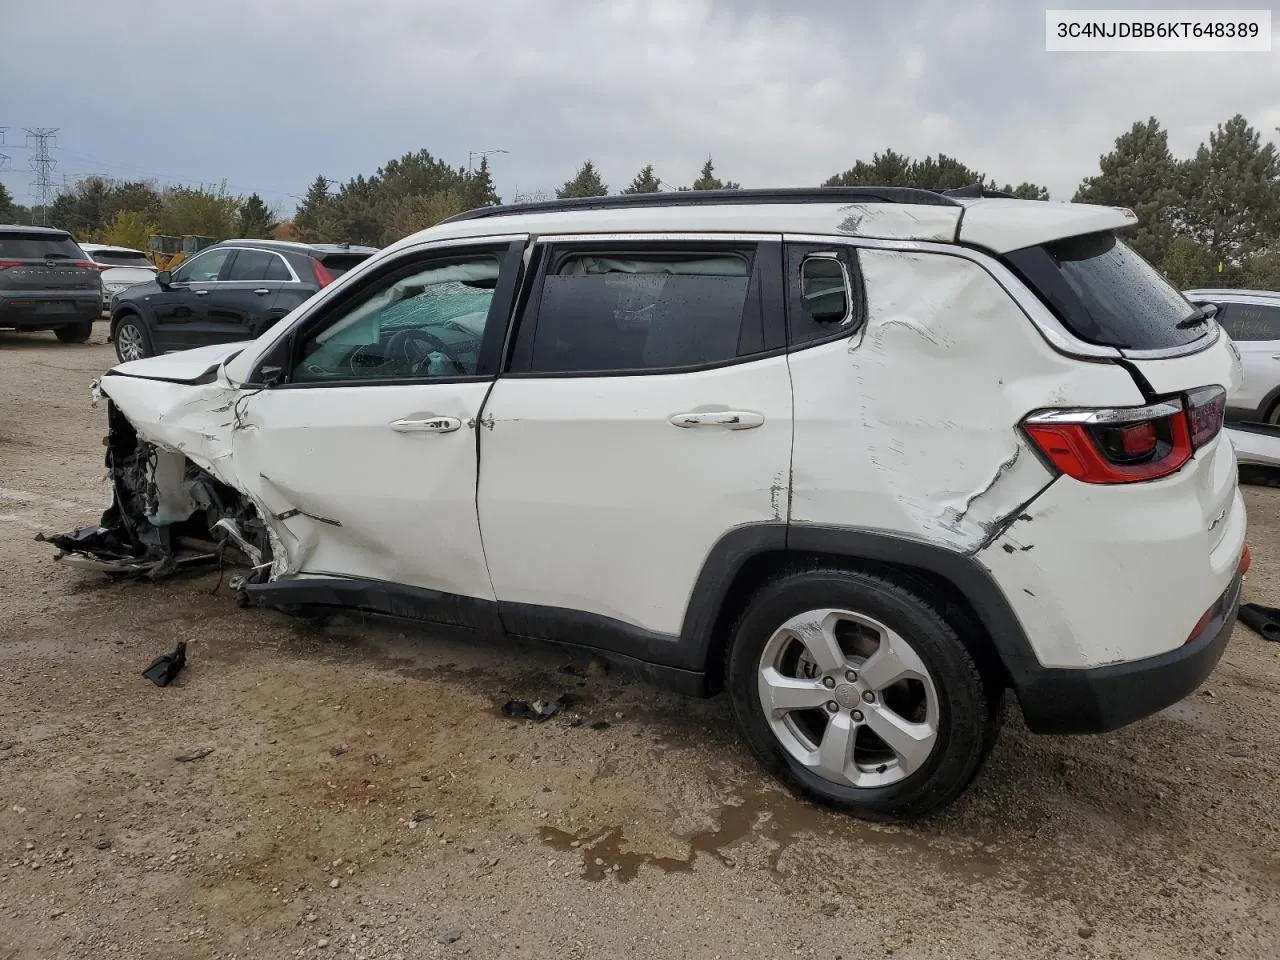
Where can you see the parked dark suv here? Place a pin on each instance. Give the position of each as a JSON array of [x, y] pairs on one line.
[[233, 290], [47, 283]]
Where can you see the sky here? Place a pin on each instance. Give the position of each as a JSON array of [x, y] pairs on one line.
[[269, 94]]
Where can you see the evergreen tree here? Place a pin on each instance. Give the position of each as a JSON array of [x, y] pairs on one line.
[[645, 181], [314, 213], [1231, 192], [256, 219], [1140, 173], [708, 180], [585, 183]]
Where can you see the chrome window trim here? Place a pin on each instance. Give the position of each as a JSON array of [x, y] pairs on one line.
[[832, 255]]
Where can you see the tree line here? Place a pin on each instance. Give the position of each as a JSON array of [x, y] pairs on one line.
[[1211, 218]]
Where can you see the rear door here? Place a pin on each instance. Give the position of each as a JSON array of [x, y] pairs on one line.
[[180, 312], [645, 413], [244, 303]]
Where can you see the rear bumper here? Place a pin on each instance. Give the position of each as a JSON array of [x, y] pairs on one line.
[[1098, 699], [30, 311]]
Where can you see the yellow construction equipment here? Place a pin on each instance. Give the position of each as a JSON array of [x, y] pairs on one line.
[[167, 252]]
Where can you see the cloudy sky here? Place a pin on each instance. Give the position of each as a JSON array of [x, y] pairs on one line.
[[268, 94]]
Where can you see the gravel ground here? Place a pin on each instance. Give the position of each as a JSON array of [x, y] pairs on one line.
[[364, 797]]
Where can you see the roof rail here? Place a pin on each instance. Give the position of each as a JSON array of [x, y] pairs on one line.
[[976, 191], [693, 198]]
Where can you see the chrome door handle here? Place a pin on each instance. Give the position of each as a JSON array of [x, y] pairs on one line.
[[729, 419], [429, 425], [202, 293], [262, 291]]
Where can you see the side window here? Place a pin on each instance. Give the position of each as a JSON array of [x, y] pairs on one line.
[[203, 268], [1250, 321], [425, 320], [276, 269], [824, 292], [646, 308], [250, 265]]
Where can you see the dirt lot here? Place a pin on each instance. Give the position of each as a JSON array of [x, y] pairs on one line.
[[364, 797]]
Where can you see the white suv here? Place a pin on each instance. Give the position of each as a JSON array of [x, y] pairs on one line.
[[863, 458]]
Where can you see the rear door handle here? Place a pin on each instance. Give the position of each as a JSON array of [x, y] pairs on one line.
[[202, 293], [262, 291], [729, 419], [427, 425]]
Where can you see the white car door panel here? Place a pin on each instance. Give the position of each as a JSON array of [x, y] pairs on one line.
[[603, 488], [366, 455], [364, 498]]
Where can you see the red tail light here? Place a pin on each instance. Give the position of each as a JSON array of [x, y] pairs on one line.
[[1246, 560], [1122, 445], [5, 264], [323, 276], [85, 263]]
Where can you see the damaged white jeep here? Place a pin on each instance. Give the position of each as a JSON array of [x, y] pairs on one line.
[[863, 458]]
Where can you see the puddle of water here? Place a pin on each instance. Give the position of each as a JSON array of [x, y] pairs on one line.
[[768, 816]]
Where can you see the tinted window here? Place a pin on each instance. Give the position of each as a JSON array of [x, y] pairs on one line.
[[1250, 321], [202, 268], [1105, 293], [250, 265], [36, 246], [427, 322], [276, 269], [640, 311], [122, 258]]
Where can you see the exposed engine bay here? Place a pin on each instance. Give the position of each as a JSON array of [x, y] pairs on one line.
[[167, 514]]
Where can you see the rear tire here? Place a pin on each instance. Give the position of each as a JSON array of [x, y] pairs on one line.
[[886, 662], [1273, 415], [75, 333], [131, 339]]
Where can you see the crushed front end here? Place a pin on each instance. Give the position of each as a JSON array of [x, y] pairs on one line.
[[167, 514]]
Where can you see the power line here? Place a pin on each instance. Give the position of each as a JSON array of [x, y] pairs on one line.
[[42, 165]]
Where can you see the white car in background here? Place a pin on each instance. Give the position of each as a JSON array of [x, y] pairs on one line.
[[121, 267], [1252, 320]]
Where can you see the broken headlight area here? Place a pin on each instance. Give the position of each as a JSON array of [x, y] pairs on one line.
[[167, 514]]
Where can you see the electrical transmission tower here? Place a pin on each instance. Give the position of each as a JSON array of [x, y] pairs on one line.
[[4, 157], [42, 164]]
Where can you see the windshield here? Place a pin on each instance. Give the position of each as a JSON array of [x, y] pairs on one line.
[[1105, 293]]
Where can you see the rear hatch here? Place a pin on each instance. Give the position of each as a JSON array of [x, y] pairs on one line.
[[1106, 294], [46, 265], [122, 267]]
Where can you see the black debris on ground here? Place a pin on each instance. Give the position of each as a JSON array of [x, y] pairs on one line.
[[166, 666]]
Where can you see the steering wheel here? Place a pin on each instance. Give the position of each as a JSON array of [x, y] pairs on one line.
[[407, 347]]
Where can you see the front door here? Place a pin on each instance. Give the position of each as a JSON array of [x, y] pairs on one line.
[[647, 412], [181, 309], [366, 454]]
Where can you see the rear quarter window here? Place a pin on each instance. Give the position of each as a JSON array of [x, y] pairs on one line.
[[1104, 293], [36, 246]]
